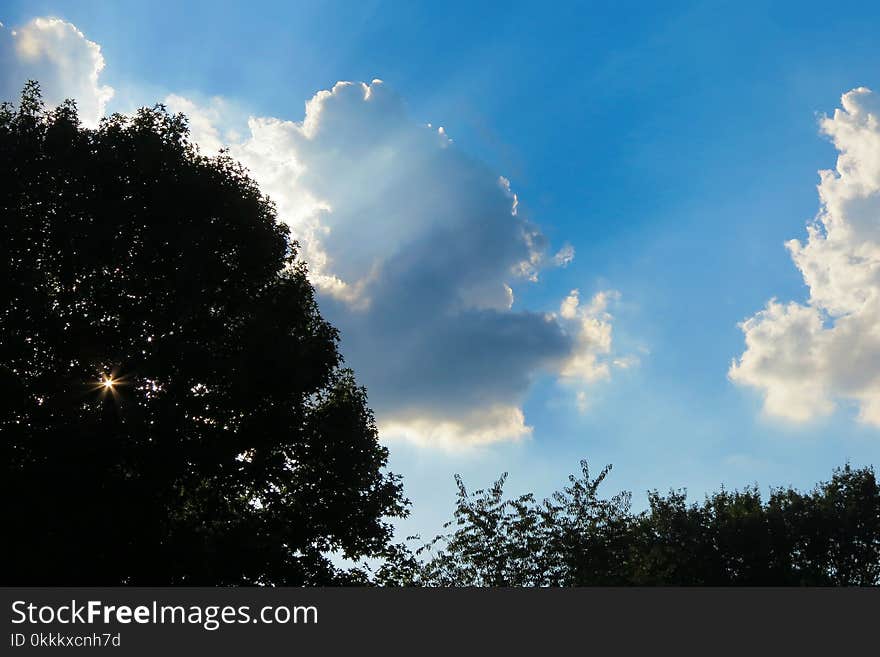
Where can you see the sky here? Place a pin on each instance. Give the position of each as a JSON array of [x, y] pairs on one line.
[[644, 234]]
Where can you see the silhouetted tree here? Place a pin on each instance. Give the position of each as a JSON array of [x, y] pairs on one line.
[[173, 408], [574, 538], [827, 537]]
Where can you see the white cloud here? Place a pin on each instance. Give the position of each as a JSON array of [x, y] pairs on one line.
[[472, 428], [591, 358], [564, 256], [57, 55], [806, 358]]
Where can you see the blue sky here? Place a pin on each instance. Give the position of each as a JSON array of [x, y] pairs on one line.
[[675, 146]]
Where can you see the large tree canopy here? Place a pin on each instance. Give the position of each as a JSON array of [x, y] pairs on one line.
[[174, 408]]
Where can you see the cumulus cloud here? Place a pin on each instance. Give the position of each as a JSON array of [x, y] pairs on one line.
[[592, 333], [807, 358], [57, 55], [416, 250]]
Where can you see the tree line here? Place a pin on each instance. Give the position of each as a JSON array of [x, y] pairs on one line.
[[828, 536]]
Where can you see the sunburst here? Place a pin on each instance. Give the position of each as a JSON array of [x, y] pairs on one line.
[[109, 382]]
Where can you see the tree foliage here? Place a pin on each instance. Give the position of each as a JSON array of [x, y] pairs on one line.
[[829, 536], [227, 444]]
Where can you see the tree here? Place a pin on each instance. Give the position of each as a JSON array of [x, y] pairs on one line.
[[827, 537], [575, 538], [174, 408]]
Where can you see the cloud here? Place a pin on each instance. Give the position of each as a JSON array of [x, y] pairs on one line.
[[591, 328], [564, 256], [481, 426], [56, 54], [416, 250], [807, 358]]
